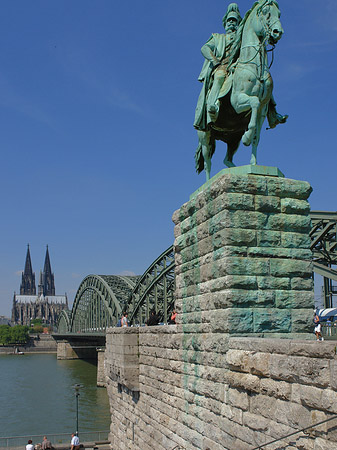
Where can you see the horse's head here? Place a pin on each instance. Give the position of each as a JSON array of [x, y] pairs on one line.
[[268, 14]]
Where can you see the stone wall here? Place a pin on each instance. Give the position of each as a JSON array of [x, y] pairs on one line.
[[248, 392], [217, 380]]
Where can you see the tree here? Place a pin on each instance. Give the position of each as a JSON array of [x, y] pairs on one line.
[[14, 335]]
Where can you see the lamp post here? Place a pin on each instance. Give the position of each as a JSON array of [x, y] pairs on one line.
[[77, 388]]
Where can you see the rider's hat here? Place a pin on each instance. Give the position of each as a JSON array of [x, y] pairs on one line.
[[232, 11]]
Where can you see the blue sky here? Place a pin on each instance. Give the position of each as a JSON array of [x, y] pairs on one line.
[[97, 103]]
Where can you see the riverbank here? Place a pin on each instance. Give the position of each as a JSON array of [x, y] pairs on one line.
[[43, 343]]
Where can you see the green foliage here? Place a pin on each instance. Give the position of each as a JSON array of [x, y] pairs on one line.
[[36, 329], [36, 322], [13, 335]]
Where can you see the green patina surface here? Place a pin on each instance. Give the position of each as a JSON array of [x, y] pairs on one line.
[[245, 266], [259, 247], [237, 91], [190, 361], [249, 169]]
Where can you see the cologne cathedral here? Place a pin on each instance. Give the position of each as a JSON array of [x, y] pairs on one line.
[[45, 305]]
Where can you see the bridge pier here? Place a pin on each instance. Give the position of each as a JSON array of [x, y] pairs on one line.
[[101, 379], [70, 350], [78, 346]]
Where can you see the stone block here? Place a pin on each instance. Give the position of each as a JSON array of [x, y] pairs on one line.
[[243, 381], [240, 266], [267, 203], [285, 187], [297, 369], [240, 321], [268, 238], [233, 237], [289, 223], [279, 252], [254, 363], [238, 399], [275, 283], [291, 268], [300, 284], [293, 300], [295, 240], [324, 444], [254, 220], [237, 360], [274, 388], [272, 321], [292, 415], [301, 320], [294, 206], [333, 373]]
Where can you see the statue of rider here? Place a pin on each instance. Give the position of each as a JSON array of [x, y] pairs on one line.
[[214, 71], [217, 51]]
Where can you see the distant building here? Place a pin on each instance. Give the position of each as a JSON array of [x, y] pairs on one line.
[[45, 305], [5, 320]]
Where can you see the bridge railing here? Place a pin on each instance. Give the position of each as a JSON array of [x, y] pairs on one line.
[[329, 331], [61, 439]]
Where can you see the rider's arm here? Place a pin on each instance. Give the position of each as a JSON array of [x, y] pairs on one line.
[[208, 52]]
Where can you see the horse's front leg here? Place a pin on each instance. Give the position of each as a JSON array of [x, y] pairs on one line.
[[243, 102]]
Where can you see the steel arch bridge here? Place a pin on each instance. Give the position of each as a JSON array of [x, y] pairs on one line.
[[324, 247], [100, 299]]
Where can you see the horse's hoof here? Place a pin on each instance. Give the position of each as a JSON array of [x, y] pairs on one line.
[[246, 140], [253, 161], [228, 163]]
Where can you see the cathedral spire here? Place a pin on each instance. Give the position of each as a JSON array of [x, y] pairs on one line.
[[47, 279], [27, 286]]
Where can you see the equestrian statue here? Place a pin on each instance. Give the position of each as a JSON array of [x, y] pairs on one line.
[[237, 91]]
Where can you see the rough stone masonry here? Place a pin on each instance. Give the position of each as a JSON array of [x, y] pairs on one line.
[[224, 377]]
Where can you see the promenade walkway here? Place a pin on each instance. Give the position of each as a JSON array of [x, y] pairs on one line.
[[97, 440]]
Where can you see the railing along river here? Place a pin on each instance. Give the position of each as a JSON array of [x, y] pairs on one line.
[[56, 439]]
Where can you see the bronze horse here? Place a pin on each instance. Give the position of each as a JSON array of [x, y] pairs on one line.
[[245, 98]]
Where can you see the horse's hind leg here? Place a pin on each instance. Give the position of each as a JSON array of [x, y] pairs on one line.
[[231, 150], [205, 141]]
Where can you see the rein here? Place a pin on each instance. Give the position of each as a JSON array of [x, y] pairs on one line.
[[267, 29]]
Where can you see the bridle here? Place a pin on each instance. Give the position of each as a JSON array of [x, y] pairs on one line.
[[267, 34], [267, 27]]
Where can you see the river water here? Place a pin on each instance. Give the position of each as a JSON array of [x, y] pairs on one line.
[[37, 396]]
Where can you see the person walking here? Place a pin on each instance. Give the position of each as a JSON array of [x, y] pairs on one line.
[[30, 445], [75, 442], [124, 321], [318, 332], [46, 444]]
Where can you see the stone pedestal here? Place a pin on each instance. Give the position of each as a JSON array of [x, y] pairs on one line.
[[243, 259]]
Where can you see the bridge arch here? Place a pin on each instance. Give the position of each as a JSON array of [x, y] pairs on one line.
[[63, 323], [99, 301], [154, 290]]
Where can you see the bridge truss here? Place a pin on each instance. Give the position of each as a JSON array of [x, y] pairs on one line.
[[324, 247], [101, 299]]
